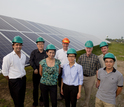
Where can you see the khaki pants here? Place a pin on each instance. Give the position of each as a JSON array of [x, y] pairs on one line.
[[88, 83], [100, 103]]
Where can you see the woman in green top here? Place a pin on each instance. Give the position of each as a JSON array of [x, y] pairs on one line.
[[49, 70]]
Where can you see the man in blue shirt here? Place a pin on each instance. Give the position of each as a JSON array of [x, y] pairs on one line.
[[72, 79]]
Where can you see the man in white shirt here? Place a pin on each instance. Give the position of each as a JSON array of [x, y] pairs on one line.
[[61, 54], [13, 70]]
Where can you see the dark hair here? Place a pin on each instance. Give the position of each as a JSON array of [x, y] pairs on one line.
[[74, 54], [41, 41], [13, 45], [110, 58], [50, 49], [105, 45]]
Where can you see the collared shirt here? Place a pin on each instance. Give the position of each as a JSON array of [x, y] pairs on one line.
[[90, 64], [108, 85], [103, 63], [36, 57], [73, 75], [62, 56], [13, 66]]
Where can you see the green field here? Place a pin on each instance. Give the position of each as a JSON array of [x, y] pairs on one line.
[[116, 48], [5, 100]]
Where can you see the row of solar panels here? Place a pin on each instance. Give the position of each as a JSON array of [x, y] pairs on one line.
[[30, 31]]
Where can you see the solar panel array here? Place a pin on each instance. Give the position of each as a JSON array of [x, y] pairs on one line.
[[30, 31]]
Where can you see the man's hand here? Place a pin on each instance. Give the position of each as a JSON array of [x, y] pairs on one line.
[[35, 71], [78, 95], [97, 83], [62, 91], [7, 78]]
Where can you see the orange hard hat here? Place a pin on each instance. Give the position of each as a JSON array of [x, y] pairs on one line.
[[65, 40]]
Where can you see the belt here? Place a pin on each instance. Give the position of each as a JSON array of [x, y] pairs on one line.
[[87, 75]]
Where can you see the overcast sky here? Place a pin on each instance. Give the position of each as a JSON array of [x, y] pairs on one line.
[[96, 17]]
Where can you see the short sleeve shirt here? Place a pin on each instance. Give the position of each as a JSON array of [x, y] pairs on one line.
[[108, 85], [49, 74]]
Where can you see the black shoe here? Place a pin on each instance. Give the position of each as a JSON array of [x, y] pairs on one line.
[[41, 104]]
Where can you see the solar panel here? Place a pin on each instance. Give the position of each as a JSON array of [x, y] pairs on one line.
[[48, 28], [5, 48], [41, 28], [34, 36], [30, 31], [4, 25], [29, 25], [52, 40], [15, 24]]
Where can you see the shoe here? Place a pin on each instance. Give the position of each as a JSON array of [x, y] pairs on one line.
[[41, 104]]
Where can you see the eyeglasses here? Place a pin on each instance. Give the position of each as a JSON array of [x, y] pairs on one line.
[[109, 61]]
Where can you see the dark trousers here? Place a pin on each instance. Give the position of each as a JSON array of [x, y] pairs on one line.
[[17, 89], [46, 89], [70, 95], [59, 82], [36, 82]]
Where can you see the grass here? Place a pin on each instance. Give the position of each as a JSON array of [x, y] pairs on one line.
[[6, 101], [116, 48]]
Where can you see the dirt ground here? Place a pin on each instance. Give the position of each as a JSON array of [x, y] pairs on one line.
[[6, 100]]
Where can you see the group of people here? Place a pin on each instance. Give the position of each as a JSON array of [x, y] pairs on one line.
[[51, 66]]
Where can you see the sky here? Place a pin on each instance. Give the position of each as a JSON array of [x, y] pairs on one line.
[[100, 18]]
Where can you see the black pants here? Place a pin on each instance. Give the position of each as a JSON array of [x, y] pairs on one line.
[[59, 81], [36, 82], [70, 95], [53, 94], [17, 89]]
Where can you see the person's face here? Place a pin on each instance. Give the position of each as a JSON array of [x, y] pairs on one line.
[[104, 50], [65, 45], [71, 58], [50, 54], [17, 47], [109, 63], [40, 45], [88, 50]]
